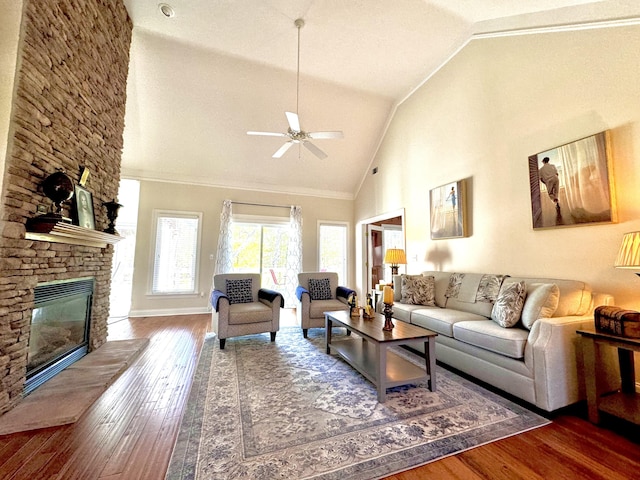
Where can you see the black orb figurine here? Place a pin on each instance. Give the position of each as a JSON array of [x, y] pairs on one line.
[[112, 213], [58, 187]]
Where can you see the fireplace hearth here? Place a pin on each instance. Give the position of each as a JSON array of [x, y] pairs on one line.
[[60, 324]]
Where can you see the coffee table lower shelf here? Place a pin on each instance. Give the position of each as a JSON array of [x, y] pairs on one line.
[[361, 355]]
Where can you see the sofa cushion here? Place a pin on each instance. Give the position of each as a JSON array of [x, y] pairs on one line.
[[320, 289], [402, 311], [489, 335], [508, 307], [441, 320], [418, 290], [239, 290], [254, 312], [318, 307], [541, 302], [575, 296]]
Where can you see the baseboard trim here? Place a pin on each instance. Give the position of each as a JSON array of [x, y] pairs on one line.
[[168, 311]]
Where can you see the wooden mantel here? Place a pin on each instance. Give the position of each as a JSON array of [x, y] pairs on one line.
[[63, 232]]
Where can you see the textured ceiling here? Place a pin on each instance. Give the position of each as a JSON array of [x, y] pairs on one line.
[[199, 80]]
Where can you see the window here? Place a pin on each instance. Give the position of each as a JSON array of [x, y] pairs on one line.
[[332, 249], [261, 245], [177, 252]]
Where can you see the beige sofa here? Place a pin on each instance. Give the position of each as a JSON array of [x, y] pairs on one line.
[[539, 365]]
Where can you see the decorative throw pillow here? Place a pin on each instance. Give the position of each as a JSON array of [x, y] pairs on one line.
[[542, 302], [506, 311], [320, 289], [418, 290], [239, 291], [455, 282]]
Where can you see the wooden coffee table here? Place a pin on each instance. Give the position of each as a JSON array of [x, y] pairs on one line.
[[368, 352]]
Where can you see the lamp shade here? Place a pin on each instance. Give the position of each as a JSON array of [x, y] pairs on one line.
[[629, 253], [395, 256]]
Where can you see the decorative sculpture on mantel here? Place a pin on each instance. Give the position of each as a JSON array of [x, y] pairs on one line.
[[58, 187], [112, 213]]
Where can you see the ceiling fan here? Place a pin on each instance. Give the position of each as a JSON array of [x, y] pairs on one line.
[[295, 132]]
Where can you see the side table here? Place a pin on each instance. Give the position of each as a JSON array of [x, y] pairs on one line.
[[624, 404]]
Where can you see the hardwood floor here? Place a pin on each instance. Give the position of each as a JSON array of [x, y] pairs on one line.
[[130, 431]]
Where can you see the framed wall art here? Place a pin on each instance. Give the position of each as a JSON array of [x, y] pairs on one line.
[[448, 211], [84, 208], [573, 184]]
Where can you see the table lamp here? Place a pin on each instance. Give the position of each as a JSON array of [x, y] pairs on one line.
[[395, 257], [629, 253]]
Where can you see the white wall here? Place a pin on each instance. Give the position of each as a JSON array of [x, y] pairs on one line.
[[9, 38], [208, 200], [480, 117]]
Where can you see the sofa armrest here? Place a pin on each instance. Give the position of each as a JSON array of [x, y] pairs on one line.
[[216, 296], [269, 297], [301, 291], [554, 354], [342, 294]]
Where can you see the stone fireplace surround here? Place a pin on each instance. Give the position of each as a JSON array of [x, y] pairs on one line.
[[67, 113]]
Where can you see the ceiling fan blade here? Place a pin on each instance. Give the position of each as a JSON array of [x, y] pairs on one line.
[[282, 150], [317, 135], [268, 134], [294, 121], [315, 150]]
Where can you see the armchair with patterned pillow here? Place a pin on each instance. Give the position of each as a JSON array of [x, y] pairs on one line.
[[319, 292], [241, 307]]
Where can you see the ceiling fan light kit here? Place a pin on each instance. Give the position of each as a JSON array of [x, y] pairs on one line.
[[295, 132]]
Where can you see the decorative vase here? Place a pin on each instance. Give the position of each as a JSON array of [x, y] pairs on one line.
[[112, 213], [388, 313]]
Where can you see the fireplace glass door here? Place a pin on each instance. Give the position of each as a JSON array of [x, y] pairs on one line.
[[59, 326]]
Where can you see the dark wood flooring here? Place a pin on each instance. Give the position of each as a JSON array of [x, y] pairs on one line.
[[130, 431]]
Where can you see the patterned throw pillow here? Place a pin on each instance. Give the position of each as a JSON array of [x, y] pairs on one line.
[[240, 291], [418, 290], [542, 302], [320, 289], [506, 311]]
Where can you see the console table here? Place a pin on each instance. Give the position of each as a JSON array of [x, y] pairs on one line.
[[623, 404]]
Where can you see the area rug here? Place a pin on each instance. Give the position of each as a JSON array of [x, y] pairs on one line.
[[286, 410]]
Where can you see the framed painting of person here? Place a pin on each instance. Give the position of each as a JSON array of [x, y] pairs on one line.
[[84, 208], [448, 211], [573, 184]]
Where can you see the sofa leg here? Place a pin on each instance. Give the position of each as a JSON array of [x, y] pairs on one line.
[[305, 332], [222, 341], [273, 336]]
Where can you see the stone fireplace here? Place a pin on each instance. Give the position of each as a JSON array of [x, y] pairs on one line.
[[66, 113]]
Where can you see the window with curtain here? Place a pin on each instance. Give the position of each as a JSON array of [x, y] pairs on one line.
[[176, 253], [332, 246]]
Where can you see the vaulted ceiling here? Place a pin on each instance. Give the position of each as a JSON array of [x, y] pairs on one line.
[[200, 79]]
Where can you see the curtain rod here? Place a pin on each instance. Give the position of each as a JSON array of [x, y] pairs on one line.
[[261, 204]]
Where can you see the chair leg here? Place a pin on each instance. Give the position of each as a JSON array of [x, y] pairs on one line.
[[273, 336], [305, 332], [222, 341]]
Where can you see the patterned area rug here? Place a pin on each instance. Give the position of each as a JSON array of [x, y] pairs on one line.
[[260, 410]]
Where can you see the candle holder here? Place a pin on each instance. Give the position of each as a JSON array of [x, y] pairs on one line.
[[388, 312]]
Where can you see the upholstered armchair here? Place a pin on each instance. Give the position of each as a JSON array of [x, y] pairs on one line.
[[319, 292], [241, 307]]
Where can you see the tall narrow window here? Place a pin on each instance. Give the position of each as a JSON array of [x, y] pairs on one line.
[[177, 251], [332, 246]]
